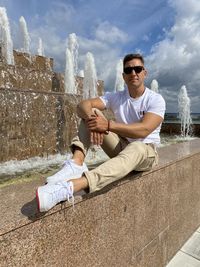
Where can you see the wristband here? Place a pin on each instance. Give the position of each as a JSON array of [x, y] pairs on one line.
[[108, 129], [108, 126]]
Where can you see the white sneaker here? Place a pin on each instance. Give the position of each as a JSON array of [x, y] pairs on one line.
[[49, 195], [70, 170]]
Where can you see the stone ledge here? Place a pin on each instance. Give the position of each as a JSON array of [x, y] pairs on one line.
[[141, 220]]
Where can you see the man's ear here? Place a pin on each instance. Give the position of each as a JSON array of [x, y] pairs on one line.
[[145, 73]]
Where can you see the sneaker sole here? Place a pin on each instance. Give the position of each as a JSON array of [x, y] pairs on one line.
[[37, 200]]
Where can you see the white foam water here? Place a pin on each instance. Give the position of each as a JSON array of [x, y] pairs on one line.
[[184, 112], [70, 83], [90, 77], [5, 37], [154, 86], [73, 48], [17, 167], [25, 35], [119, 81], [40, 48]]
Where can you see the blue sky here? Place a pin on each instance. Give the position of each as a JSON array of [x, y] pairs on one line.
[[166, 32]]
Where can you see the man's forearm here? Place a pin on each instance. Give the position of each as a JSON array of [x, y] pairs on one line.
[[139, 129], [84, 109], [135, 130]]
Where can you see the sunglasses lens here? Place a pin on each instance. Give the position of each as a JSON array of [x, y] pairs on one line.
[[137, 69], [128, 70]]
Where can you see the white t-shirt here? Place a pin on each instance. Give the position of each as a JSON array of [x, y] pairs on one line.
[[129, 110]]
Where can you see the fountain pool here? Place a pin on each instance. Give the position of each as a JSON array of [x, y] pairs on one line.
[[44, 166]]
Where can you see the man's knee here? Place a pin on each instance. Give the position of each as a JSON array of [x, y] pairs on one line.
[[98, 112], [139, 147]]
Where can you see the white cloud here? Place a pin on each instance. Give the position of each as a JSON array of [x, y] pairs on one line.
[[110, 33], [185, 7], [145, 38], [105, 57], [60, 15], [175, 60], [59, 21], [104, 42]]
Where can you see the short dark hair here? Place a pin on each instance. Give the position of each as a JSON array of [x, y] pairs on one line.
[[129, 57]]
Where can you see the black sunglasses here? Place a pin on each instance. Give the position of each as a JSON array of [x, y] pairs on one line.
[[137, 69]]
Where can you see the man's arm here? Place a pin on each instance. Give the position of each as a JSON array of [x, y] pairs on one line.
[[142, 129], [84, 111], [84, 108]]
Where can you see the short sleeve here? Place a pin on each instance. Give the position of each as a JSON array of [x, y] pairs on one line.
[[107, 99], [157, 105]]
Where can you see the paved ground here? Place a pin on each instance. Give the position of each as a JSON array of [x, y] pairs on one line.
[[189, 254]]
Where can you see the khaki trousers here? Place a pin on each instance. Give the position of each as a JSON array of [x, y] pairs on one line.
[[124, 157]]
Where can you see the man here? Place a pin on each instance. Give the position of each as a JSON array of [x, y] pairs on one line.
[[130, 141]]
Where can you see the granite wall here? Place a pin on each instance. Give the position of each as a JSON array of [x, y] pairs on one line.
[[35, 113], [29, 73], [35, 124], [140, 221]]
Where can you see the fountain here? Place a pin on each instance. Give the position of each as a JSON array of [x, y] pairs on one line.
[[90, 77], [184, 112], [73, 48], [25, 35], [154, 86], [40, 48], [70, 85], [119, 81], [81, 73], [5, 37], [71, 68], [39, 120]]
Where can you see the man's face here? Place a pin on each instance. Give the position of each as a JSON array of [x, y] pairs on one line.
[[134, 79]]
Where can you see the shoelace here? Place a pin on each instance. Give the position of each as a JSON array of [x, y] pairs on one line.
[[70, 196], [69, 163], [61, 194]]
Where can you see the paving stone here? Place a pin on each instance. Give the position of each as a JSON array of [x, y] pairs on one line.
[[183, 260], [192, 246]]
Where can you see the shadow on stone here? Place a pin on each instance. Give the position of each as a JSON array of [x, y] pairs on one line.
[[131, 176], [30, 210]]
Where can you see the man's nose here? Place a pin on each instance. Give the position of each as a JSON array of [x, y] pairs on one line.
[[133, 72]]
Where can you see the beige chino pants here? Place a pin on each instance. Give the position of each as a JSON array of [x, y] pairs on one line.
[[124, 157]]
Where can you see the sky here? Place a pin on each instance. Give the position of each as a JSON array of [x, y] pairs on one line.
[[166, 32]]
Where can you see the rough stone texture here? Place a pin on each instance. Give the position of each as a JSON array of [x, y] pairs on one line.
[[140, 221], [35, 113], [29, 61], [189, 254], [58, 84], [36, 73], [35, 124], [29, 72]]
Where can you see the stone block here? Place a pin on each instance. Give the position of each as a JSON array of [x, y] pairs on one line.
[[155, 253], [35, 123], [131, 222]]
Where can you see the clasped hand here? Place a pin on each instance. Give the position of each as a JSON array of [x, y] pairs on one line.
[[98, 126]]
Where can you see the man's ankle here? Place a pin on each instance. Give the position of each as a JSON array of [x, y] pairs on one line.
[[78, 156], [78, 161]]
